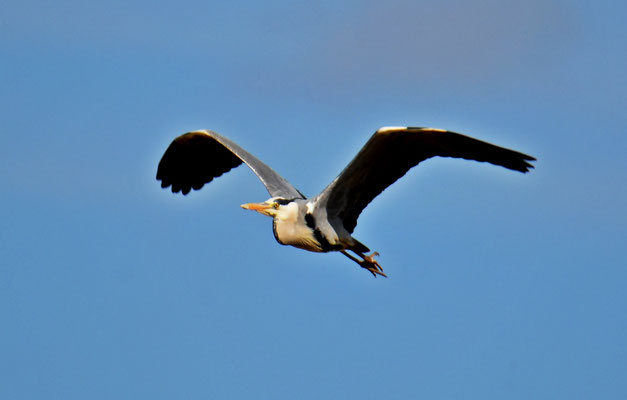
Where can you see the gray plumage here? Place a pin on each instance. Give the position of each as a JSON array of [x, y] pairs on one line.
[[325, 223], [195, 158]]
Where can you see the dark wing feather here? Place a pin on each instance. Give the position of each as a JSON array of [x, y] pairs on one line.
[[390, 153], [195, 158]]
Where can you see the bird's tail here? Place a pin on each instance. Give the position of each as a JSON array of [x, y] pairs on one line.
[[359, 246]]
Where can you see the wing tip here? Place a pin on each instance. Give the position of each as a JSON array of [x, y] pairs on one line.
[[523, 166], [185, 190], [526, 163]]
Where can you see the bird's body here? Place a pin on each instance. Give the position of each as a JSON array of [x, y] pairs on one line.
[[300, 224], [296, 227], [326, 222]]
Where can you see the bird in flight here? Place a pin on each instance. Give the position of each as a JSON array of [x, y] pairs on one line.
[[325, 223]]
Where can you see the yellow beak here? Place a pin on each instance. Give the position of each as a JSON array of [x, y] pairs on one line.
[[254, 206], [263, 208]]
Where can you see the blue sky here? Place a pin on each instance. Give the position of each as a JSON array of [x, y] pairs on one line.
[[501, 285]]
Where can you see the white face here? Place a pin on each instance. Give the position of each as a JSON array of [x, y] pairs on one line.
[[275, 207]]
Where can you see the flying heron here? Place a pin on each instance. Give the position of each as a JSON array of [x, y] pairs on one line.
[[325, 223]]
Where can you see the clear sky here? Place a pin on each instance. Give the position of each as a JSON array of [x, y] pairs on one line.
[[501, 285]]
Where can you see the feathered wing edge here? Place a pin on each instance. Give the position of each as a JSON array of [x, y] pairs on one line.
[[196, 158], [390, 153]]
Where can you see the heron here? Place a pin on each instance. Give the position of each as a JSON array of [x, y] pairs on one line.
[[325, 223]]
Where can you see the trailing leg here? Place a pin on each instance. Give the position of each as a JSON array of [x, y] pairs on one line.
[[368, 262]]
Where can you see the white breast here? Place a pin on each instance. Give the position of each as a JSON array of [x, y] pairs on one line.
[[290, 228]]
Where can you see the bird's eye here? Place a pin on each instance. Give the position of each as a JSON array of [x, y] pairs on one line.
[[275, 206]]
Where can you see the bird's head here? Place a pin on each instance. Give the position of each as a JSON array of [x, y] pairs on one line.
[[273, 207]]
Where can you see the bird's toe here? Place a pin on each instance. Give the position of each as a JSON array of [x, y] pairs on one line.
[[372, 265]]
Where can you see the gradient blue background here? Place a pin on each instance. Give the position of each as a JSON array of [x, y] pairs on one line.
[[501, 285]]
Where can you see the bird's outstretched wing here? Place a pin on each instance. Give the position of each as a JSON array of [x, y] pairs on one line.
[[195, 158], [390, 153]]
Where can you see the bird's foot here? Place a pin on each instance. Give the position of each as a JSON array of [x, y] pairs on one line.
[[372, 265]]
